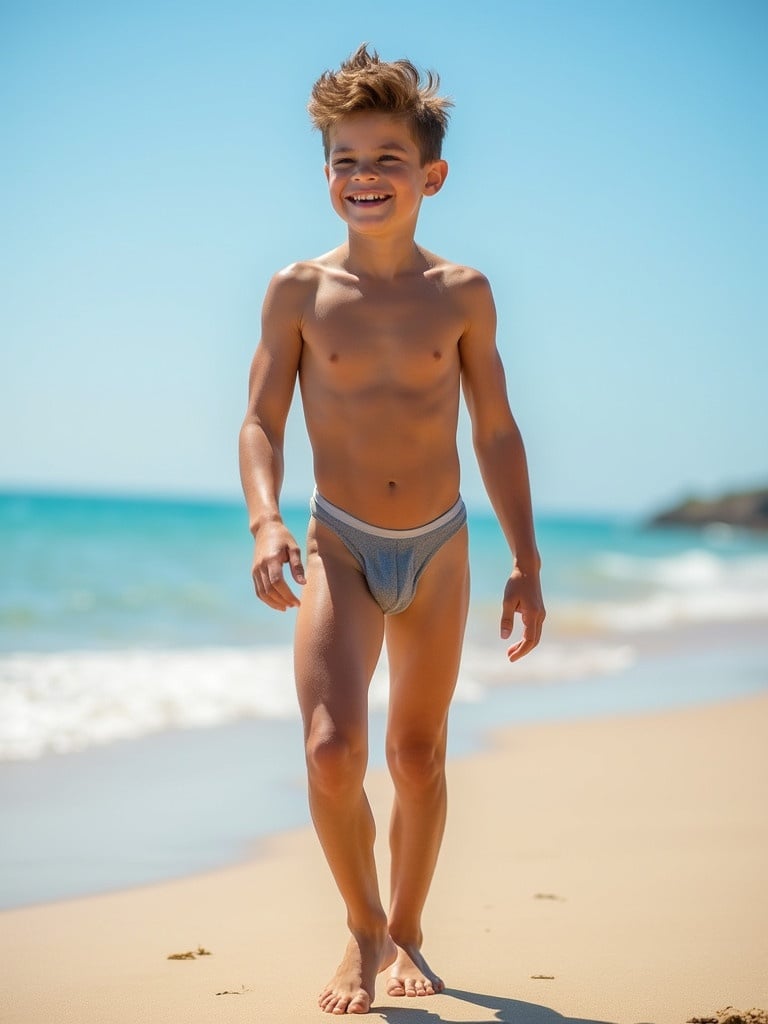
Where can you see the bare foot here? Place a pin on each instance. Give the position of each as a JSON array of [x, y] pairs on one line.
[[411, 975], [351, 988]]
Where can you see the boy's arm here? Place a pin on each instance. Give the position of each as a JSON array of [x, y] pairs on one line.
[[272, 380], [501, 457]]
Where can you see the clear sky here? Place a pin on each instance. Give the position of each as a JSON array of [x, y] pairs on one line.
[[608, 168]]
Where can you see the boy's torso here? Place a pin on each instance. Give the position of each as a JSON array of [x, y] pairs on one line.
[[380, 380]]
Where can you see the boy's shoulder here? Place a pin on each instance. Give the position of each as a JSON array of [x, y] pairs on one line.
[[454, 275], [302, 272], [292, 286], [468, 288], [298, 282], [310, 270]]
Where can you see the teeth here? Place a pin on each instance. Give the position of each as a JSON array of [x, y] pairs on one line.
[[369, 197]]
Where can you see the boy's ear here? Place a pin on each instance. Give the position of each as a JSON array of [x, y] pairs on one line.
[[327, 172], [436, 175]]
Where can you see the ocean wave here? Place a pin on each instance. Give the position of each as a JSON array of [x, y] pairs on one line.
[[694, 567], [67, 701], [692, 586]]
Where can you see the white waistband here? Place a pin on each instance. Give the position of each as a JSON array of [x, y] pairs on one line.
[[379, 531]]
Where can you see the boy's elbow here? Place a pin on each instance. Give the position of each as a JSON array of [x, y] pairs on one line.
[[255, 430], [247, 429], [251, 432], [498, 437]]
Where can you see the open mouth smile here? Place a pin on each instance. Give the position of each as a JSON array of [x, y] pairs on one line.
[[367, 198]]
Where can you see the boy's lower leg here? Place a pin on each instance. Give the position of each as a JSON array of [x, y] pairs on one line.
[[416, 832], [345, 828]]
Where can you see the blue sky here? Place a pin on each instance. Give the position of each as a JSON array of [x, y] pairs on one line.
[[607, 160]]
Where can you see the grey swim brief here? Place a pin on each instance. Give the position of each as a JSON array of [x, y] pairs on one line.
[[391, 560]]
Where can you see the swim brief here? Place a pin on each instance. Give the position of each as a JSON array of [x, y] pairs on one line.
[[391, 560]]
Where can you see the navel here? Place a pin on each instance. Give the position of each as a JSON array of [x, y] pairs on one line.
[[334, 357], [437, 355], [392, 484]]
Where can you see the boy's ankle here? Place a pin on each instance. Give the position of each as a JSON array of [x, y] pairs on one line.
[[407, 937], [373, 926]]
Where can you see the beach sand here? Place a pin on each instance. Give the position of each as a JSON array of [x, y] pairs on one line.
[[610, 870]]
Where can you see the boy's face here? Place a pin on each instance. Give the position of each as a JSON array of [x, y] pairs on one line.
[[375, 174]]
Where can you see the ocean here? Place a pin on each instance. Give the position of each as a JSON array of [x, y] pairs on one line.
[[148, 723]]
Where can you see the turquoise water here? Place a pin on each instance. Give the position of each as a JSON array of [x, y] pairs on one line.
[[148, 724], [99, 574]]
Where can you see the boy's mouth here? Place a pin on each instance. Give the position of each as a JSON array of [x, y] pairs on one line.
[[367, 198]]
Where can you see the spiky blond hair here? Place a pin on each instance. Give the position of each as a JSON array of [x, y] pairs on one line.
[[365, 82]]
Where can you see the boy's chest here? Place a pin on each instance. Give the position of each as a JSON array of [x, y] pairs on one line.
[[403, 333]]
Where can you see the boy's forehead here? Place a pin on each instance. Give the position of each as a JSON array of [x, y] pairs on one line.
[[371, 128]]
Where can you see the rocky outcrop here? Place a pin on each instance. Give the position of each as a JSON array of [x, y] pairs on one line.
[[745, 509]]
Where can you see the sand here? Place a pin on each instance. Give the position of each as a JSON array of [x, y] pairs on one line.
[[612, 870]]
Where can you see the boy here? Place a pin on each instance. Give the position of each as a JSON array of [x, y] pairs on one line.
[[382, 335]]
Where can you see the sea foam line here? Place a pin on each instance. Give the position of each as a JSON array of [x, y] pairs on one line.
[[67, 701]]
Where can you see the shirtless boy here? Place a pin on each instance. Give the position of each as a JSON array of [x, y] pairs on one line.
[[382, 335]]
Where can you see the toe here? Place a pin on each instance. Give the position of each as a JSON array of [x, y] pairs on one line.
[[360, 1004], [395, 987], [332, 1002]]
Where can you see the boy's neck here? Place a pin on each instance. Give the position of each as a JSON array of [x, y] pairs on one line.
[[381, 257]]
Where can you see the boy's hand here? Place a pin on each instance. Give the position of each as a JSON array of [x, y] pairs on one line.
[[274, 548], [522, 595]]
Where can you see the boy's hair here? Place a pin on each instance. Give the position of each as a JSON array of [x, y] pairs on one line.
[[364, 82]]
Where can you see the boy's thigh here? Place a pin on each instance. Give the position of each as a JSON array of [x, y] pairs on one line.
[[339, 630], [424, 642]]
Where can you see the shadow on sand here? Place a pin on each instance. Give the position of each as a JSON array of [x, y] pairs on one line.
[[501, 1010]]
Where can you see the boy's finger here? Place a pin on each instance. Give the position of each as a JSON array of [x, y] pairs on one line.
[[509, 608], [297, 569], [532, 627], [520, 649], [281, 592], [274, 591]]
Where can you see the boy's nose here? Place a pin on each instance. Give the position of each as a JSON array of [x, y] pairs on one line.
[[365, 172]]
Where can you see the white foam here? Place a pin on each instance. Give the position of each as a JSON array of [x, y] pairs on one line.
[[689, 568], [552, 661], [68, 701], [691, 587]]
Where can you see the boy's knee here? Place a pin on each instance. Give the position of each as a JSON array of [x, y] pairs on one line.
[[416, 764], [334, 761]]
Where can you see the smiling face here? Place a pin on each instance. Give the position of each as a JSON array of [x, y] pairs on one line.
[[375, 174]]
